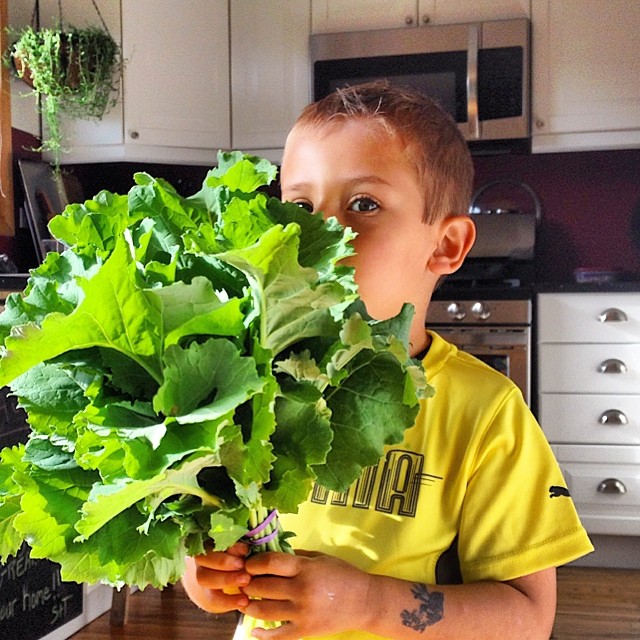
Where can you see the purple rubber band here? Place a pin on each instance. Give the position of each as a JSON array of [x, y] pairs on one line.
[[263, 525], [264, 540]]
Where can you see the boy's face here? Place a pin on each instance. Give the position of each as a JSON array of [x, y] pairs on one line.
[[357, 172]]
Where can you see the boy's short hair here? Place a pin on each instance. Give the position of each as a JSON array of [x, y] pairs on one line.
[[431, 137]]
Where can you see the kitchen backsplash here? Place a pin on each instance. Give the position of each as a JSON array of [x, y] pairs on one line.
[[588, 202]]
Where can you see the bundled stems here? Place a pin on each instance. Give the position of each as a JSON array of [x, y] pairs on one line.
[[266, 534]]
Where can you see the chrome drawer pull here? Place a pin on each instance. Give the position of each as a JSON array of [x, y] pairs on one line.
[[611, 485], [612, 365], [614, 417], [613, 315]]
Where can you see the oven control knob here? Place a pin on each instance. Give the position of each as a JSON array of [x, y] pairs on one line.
[[456, 311], [481, 310]]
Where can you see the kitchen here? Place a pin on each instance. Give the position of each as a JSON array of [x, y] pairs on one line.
[[585, 161]]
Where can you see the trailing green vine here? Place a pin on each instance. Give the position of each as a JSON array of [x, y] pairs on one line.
[[75, 71]]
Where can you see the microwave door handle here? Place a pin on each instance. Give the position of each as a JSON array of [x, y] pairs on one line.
[[472, 81]]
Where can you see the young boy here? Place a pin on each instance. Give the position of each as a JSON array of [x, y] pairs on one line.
[[463, 529]]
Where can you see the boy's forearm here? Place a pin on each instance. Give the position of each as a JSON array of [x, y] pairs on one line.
[[319, 595], [522, 609]]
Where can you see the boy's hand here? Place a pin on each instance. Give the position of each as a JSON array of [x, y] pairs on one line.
[[314, 594], [214, 581]]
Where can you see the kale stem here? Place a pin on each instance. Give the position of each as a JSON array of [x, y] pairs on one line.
[[207, 498]]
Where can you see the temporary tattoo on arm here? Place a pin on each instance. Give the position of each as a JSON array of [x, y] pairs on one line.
[[429, 611]]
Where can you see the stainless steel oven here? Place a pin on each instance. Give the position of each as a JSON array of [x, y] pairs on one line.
[[497, 332], [478, 72], [486, 307]]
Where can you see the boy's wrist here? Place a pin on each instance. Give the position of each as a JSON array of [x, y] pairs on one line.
[[377, 603]]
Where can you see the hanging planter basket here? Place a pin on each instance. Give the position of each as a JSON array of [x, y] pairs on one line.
[[81, 65], [61, 61], [22, 71], [73, 71]]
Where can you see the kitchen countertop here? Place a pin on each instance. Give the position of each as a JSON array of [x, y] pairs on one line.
[[13, 282], [616, 286]]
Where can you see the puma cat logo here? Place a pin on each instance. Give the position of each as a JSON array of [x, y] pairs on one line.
[[556, 492]]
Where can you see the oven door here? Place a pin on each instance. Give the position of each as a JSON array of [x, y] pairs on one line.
[[506, 349]]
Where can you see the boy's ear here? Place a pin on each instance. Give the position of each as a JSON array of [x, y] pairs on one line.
[[457, 235]]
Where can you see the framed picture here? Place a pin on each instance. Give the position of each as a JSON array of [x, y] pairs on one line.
[[45, 197]]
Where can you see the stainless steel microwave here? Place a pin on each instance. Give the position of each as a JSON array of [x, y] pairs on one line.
[[478, 72]]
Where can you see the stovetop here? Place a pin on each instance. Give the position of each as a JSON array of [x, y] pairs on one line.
[[484, 279]]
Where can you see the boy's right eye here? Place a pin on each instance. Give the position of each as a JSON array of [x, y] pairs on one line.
[[305, 205]]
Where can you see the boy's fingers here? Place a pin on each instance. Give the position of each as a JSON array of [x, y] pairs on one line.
[[231, 560], [286, 565], [222, 580], [219, 602], [206, 588]]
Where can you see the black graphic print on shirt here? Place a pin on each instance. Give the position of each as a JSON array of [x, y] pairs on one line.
[[391, 487]]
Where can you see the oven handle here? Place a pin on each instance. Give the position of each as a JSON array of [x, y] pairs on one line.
[[493, 338], [492, 349]]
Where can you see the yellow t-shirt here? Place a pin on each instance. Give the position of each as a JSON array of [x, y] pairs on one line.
[[474, 474]]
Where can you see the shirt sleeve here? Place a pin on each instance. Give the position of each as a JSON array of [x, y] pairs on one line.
[[517, 516]]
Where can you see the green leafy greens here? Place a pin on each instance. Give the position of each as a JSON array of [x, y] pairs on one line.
[[184, 363]]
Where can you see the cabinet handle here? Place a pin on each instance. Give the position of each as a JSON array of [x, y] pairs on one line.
[[134, 135], [612, 485], [408, 20], [613, 417], [613, 315], [426, 19], [612, 365]]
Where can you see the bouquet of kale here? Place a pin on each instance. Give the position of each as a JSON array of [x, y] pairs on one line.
[[187, 366]]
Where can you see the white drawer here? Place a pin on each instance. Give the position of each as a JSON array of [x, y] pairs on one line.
[[574, 368], [583, 317], [605, 487], [590, 419]]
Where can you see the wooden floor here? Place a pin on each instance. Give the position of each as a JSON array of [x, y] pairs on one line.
[[593, 604], [598, 604]]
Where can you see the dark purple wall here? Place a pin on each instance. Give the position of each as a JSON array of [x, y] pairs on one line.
[[588, 203]]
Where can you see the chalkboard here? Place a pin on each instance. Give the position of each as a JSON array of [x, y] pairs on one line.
[[13, 420], [33, 599]]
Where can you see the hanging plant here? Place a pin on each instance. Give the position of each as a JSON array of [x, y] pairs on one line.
[[73, 71]]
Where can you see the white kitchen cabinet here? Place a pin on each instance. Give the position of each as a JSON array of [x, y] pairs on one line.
[[610, 418], [586, 75], [329, 16], [175, 102], [453, 11], [604, 482], [361, 15], [176, 82], [270, 77], [590, 368], [589, 402], [24, 114], [84, 136]]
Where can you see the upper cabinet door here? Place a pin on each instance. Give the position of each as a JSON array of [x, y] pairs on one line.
[[586, 74], [176, 81], [81, 134], [270, 82], [329, 16], [363, 15], [455, 11]]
